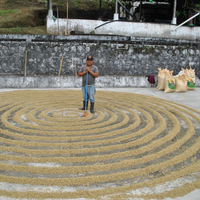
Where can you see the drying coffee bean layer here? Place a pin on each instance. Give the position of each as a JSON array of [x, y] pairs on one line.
[[49, 150]]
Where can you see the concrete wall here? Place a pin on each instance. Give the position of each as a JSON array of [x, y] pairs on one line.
[[135, 29], [73, 82], [122, 61]]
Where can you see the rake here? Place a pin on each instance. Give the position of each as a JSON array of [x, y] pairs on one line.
[[85, 113]]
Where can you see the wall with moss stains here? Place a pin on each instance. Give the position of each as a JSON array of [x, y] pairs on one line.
[[114, 55]]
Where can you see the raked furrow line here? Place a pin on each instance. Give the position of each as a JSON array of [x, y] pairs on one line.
[[134, 146]]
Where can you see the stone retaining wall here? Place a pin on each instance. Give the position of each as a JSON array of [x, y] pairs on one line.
[[114, 55]]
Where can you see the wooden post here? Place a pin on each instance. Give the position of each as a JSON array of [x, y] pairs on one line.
[[60, 66], [104, 65], [67, 17], [75, 68], [67, 31], [58, 20], [25, 63]]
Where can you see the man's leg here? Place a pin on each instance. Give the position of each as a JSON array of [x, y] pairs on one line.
[[83, 91], [92, 91]]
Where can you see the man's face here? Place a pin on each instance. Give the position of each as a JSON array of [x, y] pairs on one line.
[[89, 63]]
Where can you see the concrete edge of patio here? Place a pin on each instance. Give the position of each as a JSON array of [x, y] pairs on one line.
[[75, 82]]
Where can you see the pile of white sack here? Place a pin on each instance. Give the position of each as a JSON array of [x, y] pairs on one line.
[[185, 80]]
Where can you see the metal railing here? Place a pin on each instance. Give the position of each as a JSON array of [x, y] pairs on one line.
[[186, 21]]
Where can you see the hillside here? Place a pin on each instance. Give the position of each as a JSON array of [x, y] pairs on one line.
[[29, 16]]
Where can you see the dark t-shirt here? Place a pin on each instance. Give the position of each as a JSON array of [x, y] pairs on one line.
[[91, 79]]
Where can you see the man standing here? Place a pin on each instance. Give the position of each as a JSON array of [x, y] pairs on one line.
[[91, 90]]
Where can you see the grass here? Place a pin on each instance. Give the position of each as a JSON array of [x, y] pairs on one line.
[[39, 30], [7, 12], [28, 16], [21, 17]]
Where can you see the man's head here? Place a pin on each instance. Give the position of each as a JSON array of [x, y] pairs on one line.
[[89, 58], [89, 61]]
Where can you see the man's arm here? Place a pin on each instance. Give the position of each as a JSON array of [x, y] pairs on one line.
[[95, 74], [80, 73]]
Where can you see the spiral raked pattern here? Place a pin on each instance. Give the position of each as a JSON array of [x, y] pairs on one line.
[[49, 150]]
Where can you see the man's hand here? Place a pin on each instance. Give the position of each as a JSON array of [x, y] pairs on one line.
[[83, 73], [92, 73], [87, 69]]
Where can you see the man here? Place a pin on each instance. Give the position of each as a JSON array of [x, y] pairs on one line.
[[93, 73]]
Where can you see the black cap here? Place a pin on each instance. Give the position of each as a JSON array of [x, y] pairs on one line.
[[89, 58]]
